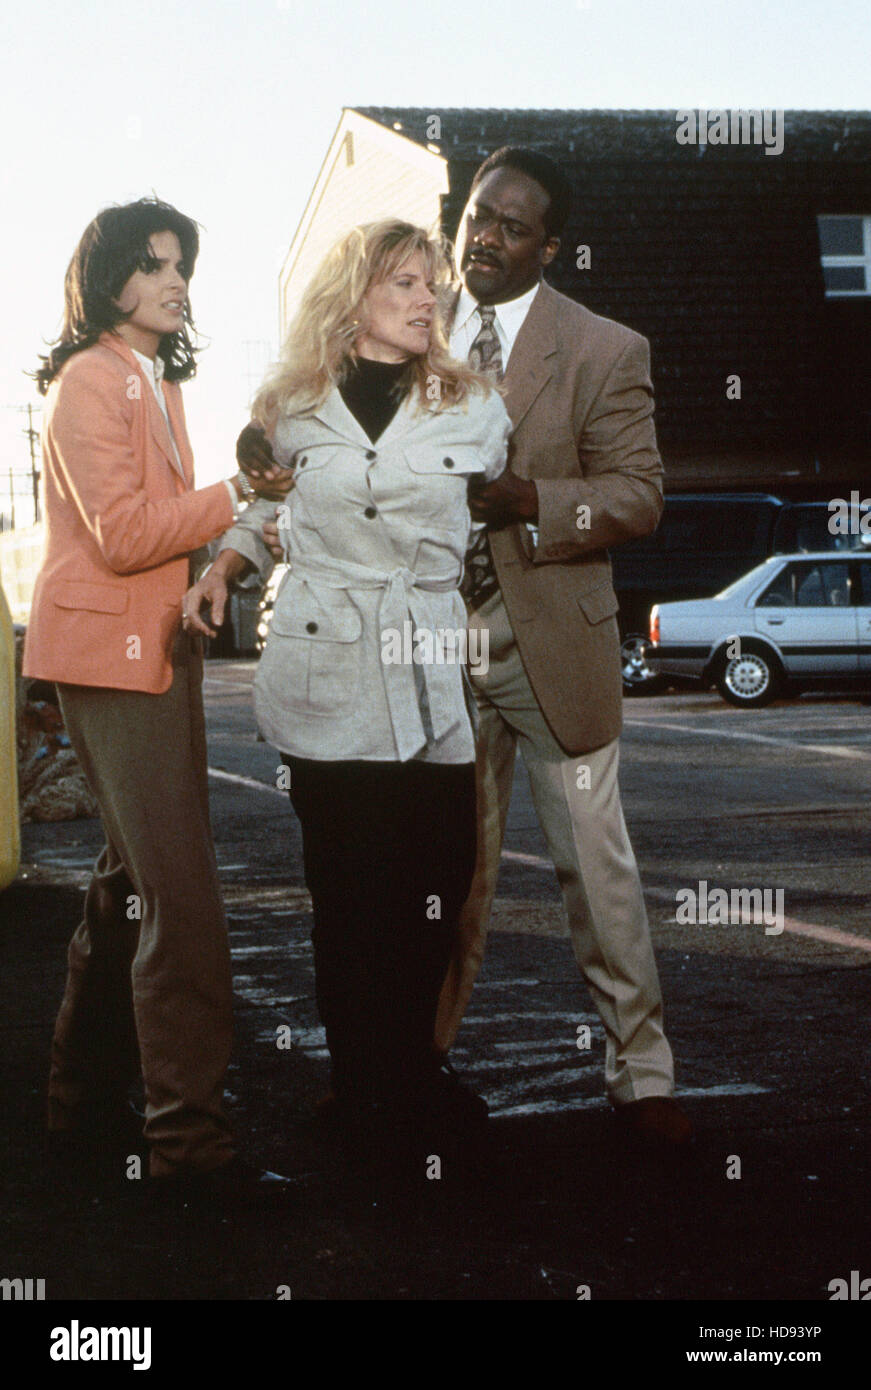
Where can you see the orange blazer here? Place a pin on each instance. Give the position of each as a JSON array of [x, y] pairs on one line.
[[120, 524]]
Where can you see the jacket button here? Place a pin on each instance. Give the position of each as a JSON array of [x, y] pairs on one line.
[[311, 627], [370, 512], [303, 461], [371, 454], [448, 463]]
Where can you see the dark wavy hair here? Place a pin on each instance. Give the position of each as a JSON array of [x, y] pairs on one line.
[[112, 247], [544, 170]]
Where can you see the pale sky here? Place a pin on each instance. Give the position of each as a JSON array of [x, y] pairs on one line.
[[226, 109]]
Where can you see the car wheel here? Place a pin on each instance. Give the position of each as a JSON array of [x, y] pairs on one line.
[[750, 680], [638, 679]]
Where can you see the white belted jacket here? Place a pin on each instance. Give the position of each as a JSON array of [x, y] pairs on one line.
[[375, 535]]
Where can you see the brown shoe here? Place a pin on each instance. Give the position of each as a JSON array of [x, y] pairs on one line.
[[657, 1121]]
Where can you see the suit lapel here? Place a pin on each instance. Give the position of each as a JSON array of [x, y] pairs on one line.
[[450, 308], [156, 423], [172, 396], [530, 365]]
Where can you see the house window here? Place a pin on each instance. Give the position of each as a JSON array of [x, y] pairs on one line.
[[845, 247]]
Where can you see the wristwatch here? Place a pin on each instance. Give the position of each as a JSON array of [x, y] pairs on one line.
[[247, 491]]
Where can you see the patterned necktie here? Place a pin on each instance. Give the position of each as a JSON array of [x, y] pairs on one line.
[[480, 581], [485, 354]]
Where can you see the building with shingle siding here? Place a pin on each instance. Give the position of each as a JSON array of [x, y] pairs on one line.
[[711, 251]]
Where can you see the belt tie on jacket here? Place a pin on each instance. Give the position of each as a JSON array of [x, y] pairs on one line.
[[405, 597]]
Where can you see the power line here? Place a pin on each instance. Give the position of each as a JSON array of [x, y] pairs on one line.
[[24, 481]]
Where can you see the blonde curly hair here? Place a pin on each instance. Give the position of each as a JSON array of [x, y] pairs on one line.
[[320, 344]]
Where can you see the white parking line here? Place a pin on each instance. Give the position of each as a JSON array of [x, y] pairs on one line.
[[527, 1091], [544, 1057], [832, 750], [251, 782], [812, 929], [832, 934], [535, 861], [554, 1107]]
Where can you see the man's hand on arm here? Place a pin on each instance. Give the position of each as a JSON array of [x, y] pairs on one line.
[[507, 499], [256, 460]]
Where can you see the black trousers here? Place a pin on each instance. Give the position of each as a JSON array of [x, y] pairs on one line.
[[389, 852]]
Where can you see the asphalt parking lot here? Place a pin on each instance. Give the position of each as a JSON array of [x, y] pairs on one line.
[[769, 1028]]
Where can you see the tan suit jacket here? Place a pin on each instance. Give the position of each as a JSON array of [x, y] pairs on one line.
[[120, 522], [579, 394]]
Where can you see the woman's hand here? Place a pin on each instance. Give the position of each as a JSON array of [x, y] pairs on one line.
[[211, 590], [272, 538]]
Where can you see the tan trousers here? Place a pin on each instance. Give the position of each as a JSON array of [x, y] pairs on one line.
[[595, 866], [150, 962]]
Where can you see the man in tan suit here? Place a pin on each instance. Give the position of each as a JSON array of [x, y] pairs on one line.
[[584, 469]]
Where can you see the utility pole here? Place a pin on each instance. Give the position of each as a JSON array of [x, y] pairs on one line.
[[32, 437], [22, 482]]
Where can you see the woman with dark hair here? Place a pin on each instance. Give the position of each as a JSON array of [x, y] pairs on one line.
[[113, 248], [149, 969], [361, 684]]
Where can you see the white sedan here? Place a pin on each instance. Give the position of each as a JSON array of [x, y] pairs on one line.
[[793, 621]]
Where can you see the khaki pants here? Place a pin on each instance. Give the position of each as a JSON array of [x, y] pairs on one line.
[[595, 866], [158, 982]]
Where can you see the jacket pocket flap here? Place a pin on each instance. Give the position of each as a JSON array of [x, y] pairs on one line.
[[445, 459], [310, 458], [599, 603], [316, 622], [99, 598]]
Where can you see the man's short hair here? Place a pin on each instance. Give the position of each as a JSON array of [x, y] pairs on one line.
[[545, 172]]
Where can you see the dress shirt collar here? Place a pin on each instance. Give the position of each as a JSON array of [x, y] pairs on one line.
[[153, 368], [509, 316]]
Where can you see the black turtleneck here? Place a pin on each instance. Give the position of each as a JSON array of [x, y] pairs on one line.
[[373, 392]]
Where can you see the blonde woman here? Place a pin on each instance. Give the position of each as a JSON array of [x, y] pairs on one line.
[[361, 686]]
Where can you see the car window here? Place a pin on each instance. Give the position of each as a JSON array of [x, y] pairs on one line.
[[780, 592], [741, 581], [865, 585], [808, 586], [827, 586]]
